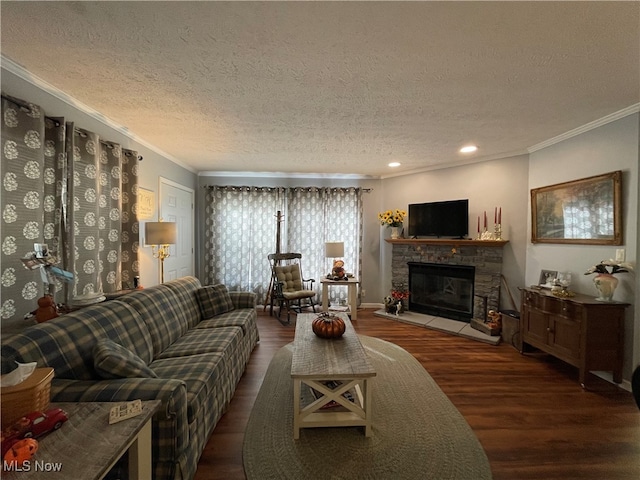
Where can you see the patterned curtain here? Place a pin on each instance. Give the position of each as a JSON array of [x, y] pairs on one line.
[[21, 202], [102, 192], [319, 215], [240, 231], [85, 212], [240, 224], [65, 187], [55, 190], [130, 233]]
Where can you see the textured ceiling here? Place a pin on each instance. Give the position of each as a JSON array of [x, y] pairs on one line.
[[335, 87]]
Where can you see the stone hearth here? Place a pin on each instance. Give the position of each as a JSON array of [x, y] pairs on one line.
[[486, 257], [454, 327]]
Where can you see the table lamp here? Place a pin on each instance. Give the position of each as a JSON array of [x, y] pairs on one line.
[[334, 250], [160, 235]]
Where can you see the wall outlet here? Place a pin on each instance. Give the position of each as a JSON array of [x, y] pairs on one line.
[[363, 292], [619, 254]]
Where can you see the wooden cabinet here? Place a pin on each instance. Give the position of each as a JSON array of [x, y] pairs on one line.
[[579, 330]]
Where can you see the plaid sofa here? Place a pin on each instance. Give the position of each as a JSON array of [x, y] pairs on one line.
[[189, 362]]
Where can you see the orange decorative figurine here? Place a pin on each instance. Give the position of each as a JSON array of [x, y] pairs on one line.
[[46, 309], [21, 452]]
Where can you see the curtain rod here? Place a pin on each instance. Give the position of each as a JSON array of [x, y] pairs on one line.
[[29, 106], [18, 101], [365, 190]]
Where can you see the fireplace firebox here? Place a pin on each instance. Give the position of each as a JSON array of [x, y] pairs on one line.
[[443, 290]]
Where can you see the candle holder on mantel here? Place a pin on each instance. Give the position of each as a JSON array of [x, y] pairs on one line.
[[496, 235], [486, 235], [497, 231]]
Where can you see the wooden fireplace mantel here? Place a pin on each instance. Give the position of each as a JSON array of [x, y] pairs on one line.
[[455, 242]]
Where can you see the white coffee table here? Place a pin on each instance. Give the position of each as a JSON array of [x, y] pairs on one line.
[[317, 360]]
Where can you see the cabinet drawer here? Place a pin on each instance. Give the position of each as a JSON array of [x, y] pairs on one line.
[[539, 302], [571, 310], [544, 303], [552, 305]]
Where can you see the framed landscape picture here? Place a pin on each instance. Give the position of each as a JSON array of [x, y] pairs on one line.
[[586, 211]]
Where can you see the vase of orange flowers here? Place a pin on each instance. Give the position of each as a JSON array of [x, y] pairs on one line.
[[392, 219]]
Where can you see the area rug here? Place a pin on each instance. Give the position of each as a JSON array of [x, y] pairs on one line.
[[417, 432]]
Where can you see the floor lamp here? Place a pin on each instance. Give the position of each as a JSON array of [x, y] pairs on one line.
[[160, 235]]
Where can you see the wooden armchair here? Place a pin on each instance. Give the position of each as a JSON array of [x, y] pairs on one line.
[[289, 288]]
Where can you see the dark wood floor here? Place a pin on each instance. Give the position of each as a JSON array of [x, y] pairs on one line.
[[529, 412]]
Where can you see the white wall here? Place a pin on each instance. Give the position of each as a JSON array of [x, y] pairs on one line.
[[608, 148], [501, 183], [154, 165]]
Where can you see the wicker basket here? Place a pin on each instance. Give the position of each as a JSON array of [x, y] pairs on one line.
[[32, 394]]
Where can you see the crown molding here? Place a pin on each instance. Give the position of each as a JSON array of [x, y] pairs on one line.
[[18, 70], [625, 112], [331, 176]]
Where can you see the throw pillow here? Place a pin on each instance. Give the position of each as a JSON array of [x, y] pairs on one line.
[[112, 360], [214, 300]]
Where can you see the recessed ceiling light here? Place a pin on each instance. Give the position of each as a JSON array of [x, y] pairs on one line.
[[468, 149], [394, 164]]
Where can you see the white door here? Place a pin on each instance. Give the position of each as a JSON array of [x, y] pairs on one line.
[[176, 205]]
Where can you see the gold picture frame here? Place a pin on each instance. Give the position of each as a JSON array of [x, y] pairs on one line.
[[586, 211]]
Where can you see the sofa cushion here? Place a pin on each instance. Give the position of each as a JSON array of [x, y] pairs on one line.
[[196, 341], [162, 312], [207, 377], [185, 290], [214, 300], [243, 318], [112, 360]]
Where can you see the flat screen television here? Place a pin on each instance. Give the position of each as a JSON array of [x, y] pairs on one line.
[[439, 219]]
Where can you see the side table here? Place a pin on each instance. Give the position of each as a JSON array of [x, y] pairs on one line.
[[352, 293], [87, 447]]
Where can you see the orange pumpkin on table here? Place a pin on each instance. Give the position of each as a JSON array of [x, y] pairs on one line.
[[326, 325]]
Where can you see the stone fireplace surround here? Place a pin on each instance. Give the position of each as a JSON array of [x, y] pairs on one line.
[[485, 256]]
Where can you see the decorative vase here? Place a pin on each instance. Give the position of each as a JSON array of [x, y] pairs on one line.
[[606, 285], [394, 233]]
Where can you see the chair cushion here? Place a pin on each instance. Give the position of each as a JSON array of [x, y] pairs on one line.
[[112, 360], [290, 276], [299, 294], [214, 300]]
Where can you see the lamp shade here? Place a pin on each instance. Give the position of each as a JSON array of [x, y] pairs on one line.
[[334, 249], [160, 233]]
